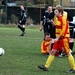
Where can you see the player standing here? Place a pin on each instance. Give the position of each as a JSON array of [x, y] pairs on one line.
[[45, 23]]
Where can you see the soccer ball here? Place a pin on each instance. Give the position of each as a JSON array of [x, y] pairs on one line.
[[2, 51]]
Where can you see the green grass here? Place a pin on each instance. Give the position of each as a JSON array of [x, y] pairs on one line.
[[22, 54]]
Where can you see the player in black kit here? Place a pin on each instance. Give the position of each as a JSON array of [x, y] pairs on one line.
[[22, 21], [45, 23]]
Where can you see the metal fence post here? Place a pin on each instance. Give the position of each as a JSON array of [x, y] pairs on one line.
[[61, 2], [6, 12]]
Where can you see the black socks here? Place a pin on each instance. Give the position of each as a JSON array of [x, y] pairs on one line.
[[22, 29], [71, 44]]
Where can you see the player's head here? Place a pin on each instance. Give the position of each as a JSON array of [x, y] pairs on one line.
[[49, 8], [22, 7], [47, 36], [58, 11]]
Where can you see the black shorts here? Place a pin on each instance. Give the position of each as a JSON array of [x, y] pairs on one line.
[[23, 22]]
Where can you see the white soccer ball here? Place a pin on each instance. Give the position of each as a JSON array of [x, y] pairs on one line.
[[2, 51]]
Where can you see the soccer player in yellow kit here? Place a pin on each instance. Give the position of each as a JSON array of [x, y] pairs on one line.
[[71, 39], [61, 41], [45, 45]]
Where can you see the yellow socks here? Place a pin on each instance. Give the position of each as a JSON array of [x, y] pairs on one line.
[[49, 61], [71, 61], [51, 58]]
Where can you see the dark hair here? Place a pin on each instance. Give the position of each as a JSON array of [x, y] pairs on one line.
[[46, 34], [59, 9], [48, 6], [22, 4]]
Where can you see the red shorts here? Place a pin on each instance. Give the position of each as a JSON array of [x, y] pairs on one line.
[[62, 45]]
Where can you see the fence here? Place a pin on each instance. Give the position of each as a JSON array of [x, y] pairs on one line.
[[33, 14]]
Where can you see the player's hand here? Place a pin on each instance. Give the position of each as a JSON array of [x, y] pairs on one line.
[[52, 22], [23, 26], [20, 21], [56, 39], [40, 28]]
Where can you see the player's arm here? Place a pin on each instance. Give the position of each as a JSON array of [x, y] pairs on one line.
[[54, 23], [64, 26], [41, 22], [20, 18], [23, 15], [42, 46], [50, 45]]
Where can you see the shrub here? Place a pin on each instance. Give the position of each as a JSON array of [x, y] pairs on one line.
[[29, 21], [13, 19], [2, 17]]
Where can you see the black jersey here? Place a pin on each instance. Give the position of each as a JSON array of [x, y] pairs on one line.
[[47, 25], [23, 15], [46, 17]]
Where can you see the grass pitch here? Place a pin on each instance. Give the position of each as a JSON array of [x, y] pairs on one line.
[[22, 54]]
